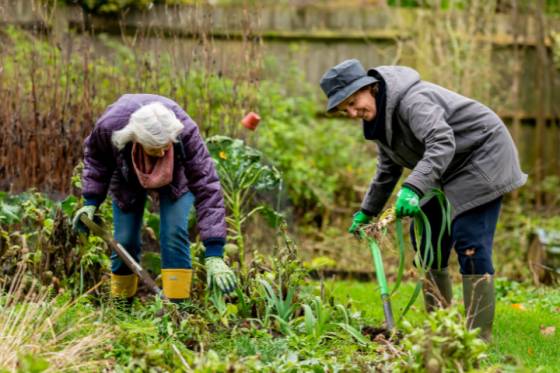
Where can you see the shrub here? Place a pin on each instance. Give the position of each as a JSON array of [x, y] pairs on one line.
[[50, 100]]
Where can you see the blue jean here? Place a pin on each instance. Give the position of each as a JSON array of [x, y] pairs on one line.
[[472, 235], [174, 236]]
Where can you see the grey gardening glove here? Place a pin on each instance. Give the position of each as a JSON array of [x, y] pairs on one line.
[[218, 273], [77, 224]]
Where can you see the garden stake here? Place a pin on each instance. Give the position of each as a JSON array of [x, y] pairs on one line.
[[124, 255], [381, 280]]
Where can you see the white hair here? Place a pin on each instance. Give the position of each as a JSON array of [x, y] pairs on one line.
[[153, 125]]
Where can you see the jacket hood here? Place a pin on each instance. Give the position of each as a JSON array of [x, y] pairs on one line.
[[398, 80]]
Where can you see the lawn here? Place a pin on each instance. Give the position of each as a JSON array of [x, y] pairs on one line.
[[526, 329]]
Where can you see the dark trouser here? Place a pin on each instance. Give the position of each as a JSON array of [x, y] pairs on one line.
[[472, 235]]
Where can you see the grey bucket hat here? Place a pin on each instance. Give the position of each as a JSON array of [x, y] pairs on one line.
[[341, 81]]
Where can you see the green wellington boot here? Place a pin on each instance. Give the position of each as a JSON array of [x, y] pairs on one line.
[[480, 303], [437, 289]]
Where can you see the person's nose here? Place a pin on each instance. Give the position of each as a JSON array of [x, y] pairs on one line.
[[352, 113]]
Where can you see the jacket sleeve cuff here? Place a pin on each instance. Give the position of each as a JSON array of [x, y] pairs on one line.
[[414, 189], [368, 212], [214, 247], [93, 200]]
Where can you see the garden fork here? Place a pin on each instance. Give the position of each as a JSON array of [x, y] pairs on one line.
[[373, 231]]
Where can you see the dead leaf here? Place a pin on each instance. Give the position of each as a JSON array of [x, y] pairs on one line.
[[518, 306], [548, 330]]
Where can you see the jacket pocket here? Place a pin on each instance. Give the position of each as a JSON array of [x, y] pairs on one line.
[[485, 164]]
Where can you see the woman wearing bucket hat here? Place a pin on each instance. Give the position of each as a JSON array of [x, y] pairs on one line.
[[449, 142], [147, 143]]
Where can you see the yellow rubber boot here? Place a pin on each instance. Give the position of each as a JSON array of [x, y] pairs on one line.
[[123, 286], [177, 283]]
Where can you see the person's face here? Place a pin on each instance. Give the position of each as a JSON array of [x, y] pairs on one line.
[[361, 105], [156, 152]]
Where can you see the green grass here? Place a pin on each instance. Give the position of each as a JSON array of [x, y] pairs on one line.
[[517, 337], [366, 298]]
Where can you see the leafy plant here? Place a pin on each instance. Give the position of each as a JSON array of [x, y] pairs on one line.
[[321, 319], [226, 311], [278, 306], [36, 231], [442, 343], [513, 292], [318, 173], [242, 173]]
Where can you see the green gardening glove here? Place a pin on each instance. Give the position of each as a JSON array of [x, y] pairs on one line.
[[218, 273], [77, 224], [360, 218], [408, 203]]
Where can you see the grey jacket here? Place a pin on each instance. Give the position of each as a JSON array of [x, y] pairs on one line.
[[449, 142]]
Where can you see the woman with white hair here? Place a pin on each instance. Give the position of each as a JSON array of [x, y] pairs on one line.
[[147, 142]]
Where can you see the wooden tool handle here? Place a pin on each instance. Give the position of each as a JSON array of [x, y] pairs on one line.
[[123, 254]]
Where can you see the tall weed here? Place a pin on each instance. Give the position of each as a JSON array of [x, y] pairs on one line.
[[52, 91], [37, 331]]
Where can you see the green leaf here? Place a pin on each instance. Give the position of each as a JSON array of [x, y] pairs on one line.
[[68, 205], [9, 213], [272, 217], [359, 337], [309, 319], [32, 364]]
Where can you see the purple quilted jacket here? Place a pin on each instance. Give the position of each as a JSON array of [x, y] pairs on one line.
[[106, 169]]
